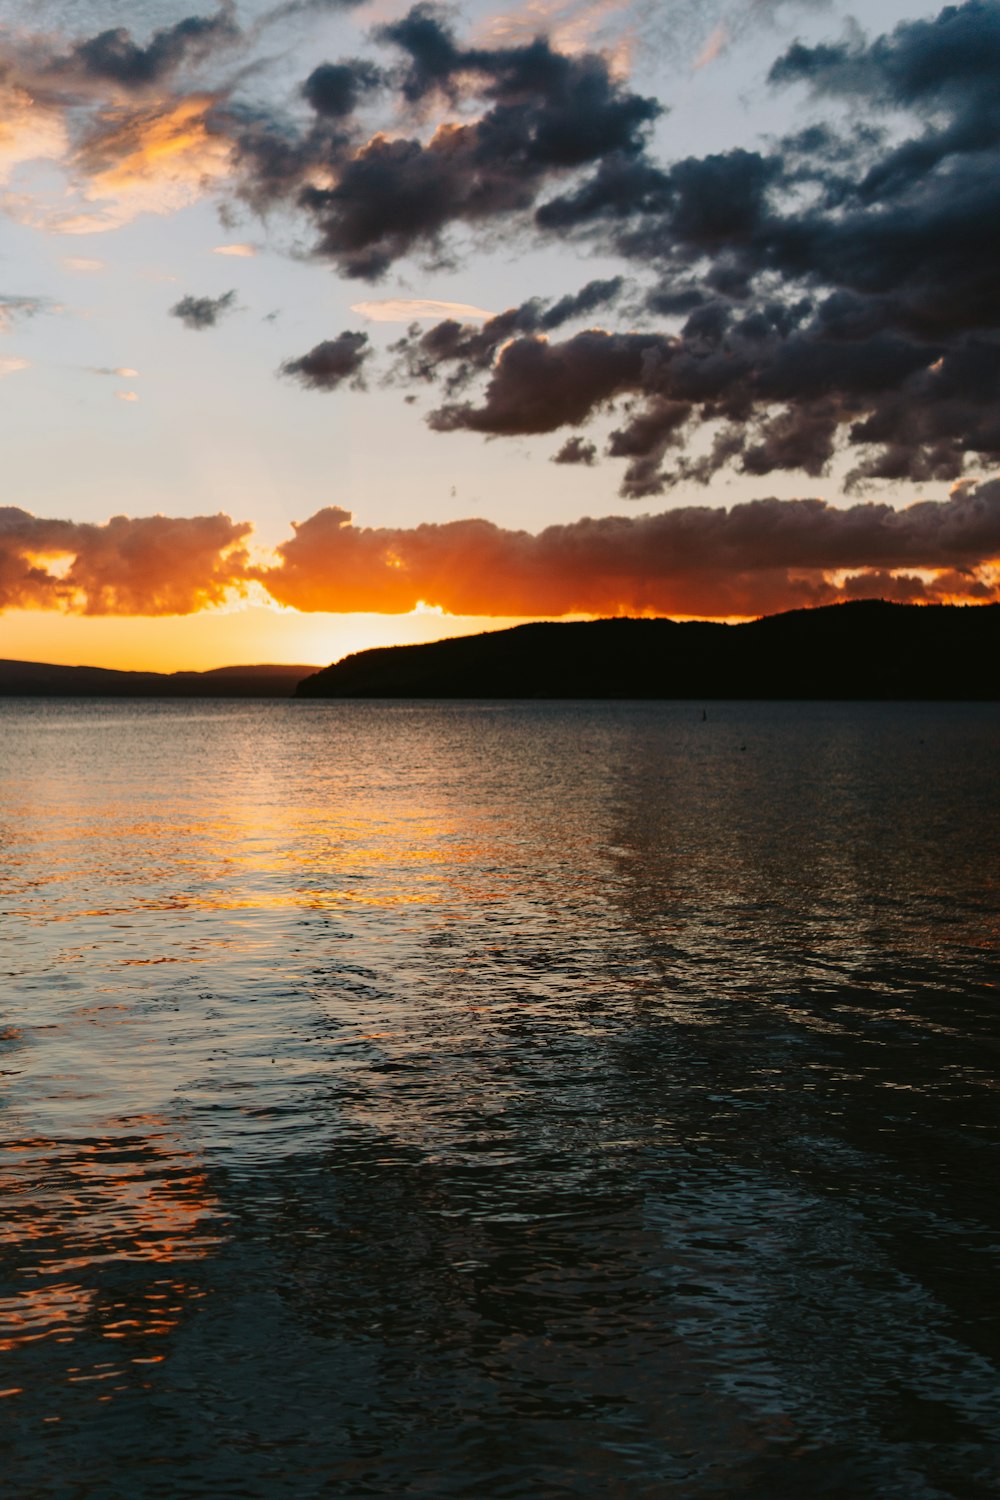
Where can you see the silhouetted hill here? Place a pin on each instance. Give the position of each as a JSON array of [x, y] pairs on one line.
[[43, 679], [864, 649]]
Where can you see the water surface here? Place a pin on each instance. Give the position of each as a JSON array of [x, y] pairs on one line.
[[498, 1100]]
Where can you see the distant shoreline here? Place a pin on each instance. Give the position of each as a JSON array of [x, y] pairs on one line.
[[30, 679]]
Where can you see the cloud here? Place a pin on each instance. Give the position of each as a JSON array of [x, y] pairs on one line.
[[410, 309], [149, 158], [336, 90], [331, 363], [713, 48], [826, 297], [10, 364], [775, 390], [576, 450], [123, 372], [82, 263], [753, 558], [30, 129], [536, 386], [152, 565], [117, 116], [203, 312], [113, 57], [245, 252], [459, 351], [830, 293], [127, 395], [571, 25], [15, 309], [291, 8], [545, 114]]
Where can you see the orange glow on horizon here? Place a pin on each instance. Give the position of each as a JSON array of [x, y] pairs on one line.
[[220, 637], [250, 634]]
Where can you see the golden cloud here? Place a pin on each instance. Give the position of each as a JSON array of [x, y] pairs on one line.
[[153, 565], [754, 558], [150, 160]]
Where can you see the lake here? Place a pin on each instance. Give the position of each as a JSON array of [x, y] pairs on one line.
[[499, 1100]]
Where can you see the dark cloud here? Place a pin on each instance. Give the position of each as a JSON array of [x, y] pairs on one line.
[[331, 363], [645, 441], [114, 57], [203, 312], [294, 8], [832, 292], [272, 158], [544, 114], [838, 288], [336, 89], [753, 558], [596, 294], [152, 565], [946, 61], [774, 389], [562, 109], [537, 386], [434, 56], [576, 450], [461, 350]]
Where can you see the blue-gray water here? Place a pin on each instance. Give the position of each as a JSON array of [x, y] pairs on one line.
[[513, 1100]]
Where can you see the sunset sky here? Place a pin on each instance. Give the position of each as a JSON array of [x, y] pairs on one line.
[[331, 324]]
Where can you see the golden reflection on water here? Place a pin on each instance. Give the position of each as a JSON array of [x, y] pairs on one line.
[[78, 1214]]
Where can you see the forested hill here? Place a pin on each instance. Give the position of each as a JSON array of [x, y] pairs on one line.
[[863, 649]]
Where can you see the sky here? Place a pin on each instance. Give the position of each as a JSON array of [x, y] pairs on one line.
[[328, 324]]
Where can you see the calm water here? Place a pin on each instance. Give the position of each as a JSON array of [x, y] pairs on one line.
[[513, 1100]]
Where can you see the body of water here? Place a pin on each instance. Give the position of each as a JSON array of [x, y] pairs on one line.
[[498, 1100]]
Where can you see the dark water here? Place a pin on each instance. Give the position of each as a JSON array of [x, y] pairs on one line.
[[516, 1100]]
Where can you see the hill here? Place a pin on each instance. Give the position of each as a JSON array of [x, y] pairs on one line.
[[863, 649], [43, 679]]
